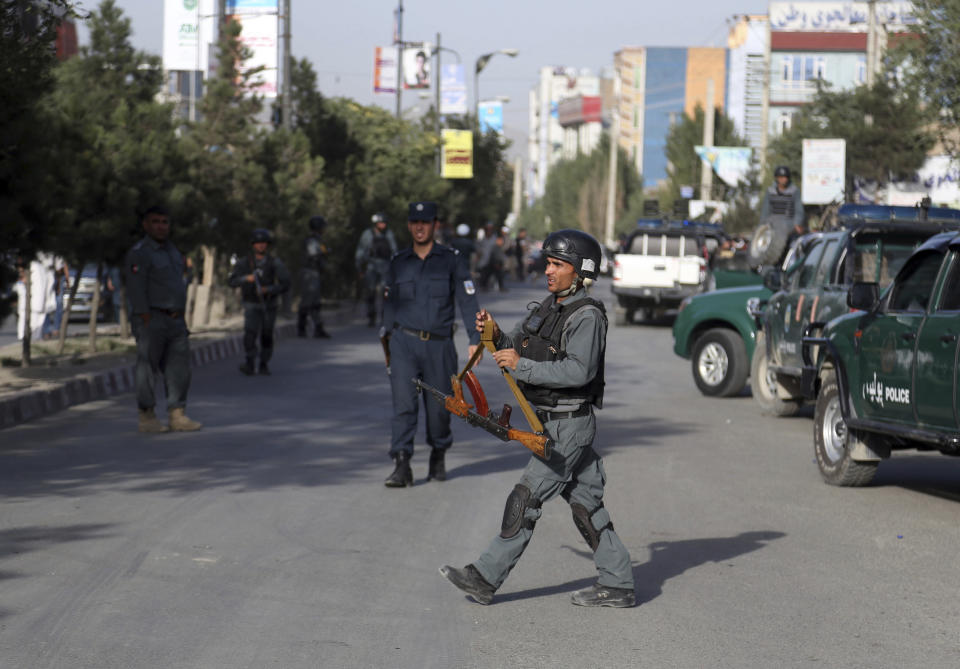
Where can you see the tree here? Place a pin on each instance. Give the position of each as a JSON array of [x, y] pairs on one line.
[[117, 152], [887, 130], [932, 64]]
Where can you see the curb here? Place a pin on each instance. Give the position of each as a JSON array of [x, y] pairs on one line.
[[32, 404]]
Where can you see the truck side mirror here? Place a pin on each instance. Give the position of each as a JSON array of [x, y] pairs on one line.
[[773, 279], [863, 295]]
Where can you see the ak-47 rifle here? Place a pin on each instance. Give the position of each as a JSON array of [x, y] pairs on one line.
[[256, 285], [479, 414]]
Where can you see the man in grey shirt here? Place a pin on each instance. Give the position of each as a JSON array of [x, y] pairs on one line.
[[157, 292], [557, 356]]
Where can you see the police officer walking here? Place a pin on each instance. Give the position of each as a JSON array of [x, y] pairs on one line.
[[314, 262], [377, 245], [557, 356], [261, 278], [157, 292], [422, 284]]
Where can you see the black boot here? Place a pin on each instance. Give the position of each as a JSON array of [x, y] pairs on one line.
[[437, 470], [402, 475], [471, 582], [302, 324], [247, 367], [319, 332], [601, 595], [264, 369]]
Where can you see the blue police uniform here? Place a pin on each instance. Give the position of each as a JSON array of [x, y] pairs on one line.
[[418, 315]]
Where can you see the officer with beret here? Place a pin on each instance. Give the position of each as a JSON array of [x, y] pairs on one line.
[[314, 262], [557, 356], [422, 284], [377, 245], [262, 278], [157, 291]]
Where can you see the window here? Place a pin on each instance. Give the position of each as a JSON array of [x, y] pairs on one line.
[[784, 121], [861, 69], [786, 68], [912, 291], [809, 267], [878, 259], [950, 301], [820, 68], [828, 255]]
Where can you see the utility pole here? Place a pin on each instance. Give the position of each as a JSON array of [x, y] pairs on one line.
[[612, 172], [287, 109], [706, 171], [436, 117], [399, 54], [871, 41]]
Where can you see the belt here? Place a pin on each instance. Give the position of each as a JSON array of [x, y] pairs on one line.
[[546, 416], [423, 334], [169, 312]]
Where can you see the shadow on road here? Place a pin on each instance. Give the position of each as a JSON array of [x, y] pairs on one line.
[[938, 476]]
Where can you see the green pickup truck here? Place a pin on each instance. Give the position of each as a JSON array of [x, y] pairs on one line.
[[885, 376], [870, 246]]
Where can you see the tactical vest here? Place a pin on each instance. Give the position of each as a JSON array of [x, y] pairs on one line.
[[315, 254], [542, 332], [268, 276], [380, 248], [782, 204]]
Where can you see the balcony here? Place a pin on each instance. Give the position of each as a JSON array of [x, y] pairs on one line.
[[792, 92]]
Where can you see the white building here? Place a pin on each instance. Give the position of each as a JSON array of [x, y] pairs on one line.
[[747, 44]]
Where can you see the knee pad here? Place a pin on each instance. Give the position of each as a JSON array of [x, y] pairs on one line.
[[586, 523], [514, 514]]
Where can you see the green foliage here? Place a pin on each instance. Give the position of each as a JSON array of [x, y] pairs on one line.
[[685, 165], [886, 128], [576, 195], [933, 64]]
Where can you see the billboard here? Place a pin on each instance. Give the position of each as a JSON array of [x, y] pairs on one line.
[[453, 90], [731, 163], [189, 28], [490, 114], [457, 155], [260, 20], [895, 17], [416, 66], [824, 169], [385, 69]]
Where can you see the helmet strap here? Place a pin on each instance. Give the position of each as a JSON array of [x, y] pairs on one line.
[[571, 289]]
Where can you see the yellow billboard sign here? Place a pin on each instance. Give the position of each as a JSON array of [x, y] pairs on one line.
[[457, 155]]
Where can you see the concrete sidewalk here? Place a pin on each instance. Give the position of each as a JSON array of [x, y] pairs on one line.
[[54, 383]]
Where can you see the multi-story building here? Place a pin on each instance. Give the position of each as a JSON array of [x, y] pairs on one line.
[[580, 130], [658, 85], [747, 47], [829, 42]]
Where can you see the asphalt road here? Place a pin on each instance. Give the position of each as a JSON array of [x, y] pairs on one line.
[[269, 540]]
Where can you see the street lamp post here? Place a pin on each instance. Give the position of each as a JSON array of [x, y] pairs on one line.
[[482, 63]]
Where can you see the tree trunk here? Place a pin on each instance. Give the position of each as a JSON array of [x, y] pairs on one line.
[[95, 310], [124, 319], [67, 308], [27, 313]]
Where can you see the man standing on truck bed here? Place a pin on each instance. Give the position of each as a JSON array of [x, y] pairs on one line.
[[782, 201]]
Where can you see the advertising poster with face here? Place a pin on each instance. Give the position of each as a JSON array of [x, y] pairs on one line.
[[416, 66]]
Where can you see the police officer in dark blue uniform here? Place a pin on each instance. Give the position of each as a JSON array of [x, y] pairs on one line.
[[421, 284], [157, 291]]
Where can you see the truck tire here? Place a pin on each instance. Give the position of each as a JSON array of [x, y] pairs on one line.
[[764, 386], [768, 242], [720, 363], [622, 316], [833, 441]]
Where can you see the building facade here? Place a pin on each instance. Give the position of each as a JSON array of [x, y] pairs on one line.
[[746, 56]]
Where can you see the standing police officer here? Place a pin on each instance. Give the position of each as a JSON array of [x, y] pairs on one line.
[[418, 318], [262, 279], [314, 261], [377, 245], [557, 356], [157, 292]]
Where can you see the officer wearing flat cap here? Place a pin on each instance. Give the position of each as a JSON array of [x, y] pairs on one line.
[[262, 278], [157, 291], [557, 356], [423, 283]]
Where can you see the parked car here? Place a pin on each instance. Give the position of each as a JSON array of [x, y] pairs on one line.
[[83, 300], [885, 376], [863, 249], [662, 263]]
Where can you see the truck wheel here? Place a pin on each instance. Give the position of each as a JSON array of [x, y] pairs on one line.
[[833, 440], [642, 314], [622, 316], [763, 384], [720, 363], [768, 243]]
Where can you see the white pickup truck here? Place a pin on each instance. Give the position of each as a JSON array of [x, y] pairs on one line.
[[662, 264]]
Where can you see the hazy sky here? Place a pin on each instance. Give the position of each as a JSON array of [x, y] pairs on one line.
[[339, 38]]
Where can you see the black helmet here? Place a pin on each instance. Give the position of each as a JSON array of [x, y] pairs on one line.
[[379, 217], [577, 248], [318, 223], [782, 171], [261, 235]]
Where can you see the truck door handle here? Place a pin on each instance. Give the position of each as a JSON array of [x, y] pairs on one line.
[[947, 338], [908, 336], [659, 268]]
